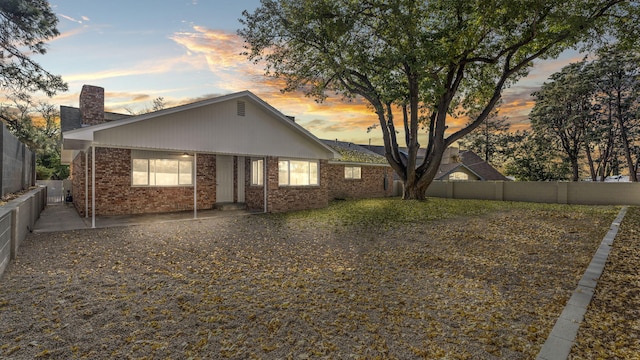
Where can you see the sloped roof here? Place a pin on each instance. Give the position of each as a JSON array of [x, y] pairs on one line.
[[354, 153], [480, 167], [210, 125], [469, 160]]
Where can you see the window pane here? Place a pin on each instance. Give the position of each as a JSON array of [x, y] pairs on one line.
[[152, 172], [140, 172], [166, 172], [348, 173], [186, 172], [299, 173], [283, 172], [357, 172], [256, 172], [313, 173]]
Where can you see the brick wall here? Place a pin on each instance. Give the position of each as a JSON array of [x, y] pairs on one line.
[[92, 105], [116, 196], [285, 198], [254, 195], [288, 198], [76, 171], [370, 185]]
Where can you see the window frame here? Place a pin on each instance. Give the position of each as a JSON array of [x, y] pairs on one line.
[[349, 172], [151, 159], [257, 177], [316, 165]]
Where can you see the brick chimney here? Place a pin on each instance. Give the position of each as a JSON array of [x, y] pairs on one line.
[[92, 105]]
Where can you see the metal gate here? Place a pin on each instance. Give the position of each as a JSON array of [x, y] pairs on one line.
[[55, 190]]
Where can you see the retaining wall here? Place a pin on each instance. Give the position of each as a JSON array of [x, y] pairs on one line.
[[17, 219]]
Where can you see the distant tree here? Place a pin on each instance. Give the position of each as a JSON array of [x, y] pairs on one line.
[[563, 108], [157, 104], [487, 139], [618, 72], [37, 125], [429, 58], [594, 107], [533, 157], [25, 26]]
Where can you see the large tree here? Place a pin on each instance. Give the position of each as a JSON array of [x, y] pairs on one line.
[[563, 110], [428, 58], [618, 82], [25, 26]]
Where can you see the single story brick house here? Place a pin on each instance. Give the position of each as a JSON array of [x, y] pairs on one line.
[[234, 148]]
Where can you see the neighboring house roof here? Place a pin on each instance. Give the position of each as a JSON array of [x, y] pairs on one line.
[[483, 169], [468, 160], [211, 126], [354, 153]]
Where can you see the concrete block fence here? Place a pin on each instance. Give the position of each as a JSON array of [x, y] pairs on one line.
[[553, 192], [17, 219]]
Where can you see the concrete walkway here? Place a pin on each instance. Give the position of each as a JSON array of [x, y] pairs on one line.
[[63, 217]]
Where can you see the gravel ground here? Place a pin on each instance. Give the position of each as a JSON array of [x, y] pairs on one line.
[[279, 287]]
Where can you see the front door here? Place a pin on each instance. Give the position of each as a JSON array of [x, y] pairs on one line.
[[224, 178]]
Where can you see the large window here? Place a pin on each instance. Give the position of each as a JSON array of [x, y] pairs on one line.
[[297, 172], [352, 172], [257, 172], [162, 172]]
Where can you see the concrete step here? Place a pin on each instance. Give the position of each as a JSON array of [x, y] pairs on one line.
[[230, 206]]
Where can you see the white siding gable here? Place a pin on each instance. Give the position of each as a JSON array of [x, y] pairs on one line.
[[218, 128]]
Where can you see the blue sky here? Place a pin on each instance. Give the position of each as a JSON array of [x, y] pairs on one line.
[[184, 50]]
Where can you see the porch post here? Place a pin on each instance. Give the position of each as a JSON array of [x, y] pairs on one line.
[[195, 185], [93, 187], [86, 183], [265, 182]]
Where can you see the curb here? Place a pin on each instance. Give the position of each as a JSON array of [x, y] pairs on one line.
[[563, 335]]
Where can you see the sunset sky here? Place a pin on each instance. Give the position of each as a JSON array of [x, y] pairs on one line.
[[185, 50]]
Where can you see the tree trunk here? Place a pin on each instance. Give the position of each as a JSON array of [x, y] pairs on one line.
[[592, 169], [625, 139], [574, 170], [414, 192]]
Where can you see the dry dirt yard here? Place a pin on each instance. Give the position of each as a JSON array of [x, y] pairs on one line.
[[369, 279], [611, 327]]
